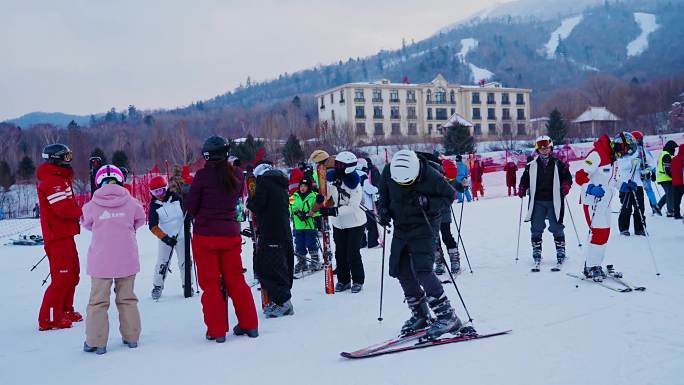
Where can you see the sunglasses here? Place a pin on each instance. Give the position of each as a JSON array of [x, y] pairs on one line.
[[158, 191]]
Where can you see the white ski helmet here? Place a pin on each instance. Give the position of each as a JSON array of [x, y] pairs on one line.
[[347, 161], [404, 167], [543, 141]]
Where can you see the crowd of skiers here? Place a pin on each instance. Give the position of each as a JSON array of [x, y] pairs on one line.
[[413, 194]]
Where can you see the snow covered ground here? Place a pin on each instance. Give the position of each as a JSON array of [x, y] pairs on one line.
[[648, 25], [562, 334], [562, 32], [477, 73]]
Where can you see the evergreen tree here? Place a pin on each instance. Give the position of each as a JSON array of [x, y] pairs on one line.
[[120, 159], [26, 169], [297, 102], [99, 153], [246, 151], [292, 151], [556, 127], [73, 125], [7, 179], [458, 140]]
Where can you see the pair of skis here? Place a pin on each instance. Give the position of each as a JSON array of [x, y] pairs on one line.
[[415, 341], [624, 287], [329, 281]]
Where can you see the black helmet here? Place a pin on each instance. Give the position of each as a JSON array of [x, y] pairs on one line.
[[57, 153], [215, 148]]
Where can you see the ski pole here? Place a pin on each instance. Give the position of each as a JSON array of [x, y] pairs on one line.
[[648, 236], [45, 280], [38, 263], [572, 219], [517, 249], [382, 270], [194, 267], [451, 276], [458, 230]]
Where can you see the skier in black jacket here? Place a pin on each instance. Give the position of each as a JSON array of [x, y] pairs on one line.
[[274, 262], [413, 196]]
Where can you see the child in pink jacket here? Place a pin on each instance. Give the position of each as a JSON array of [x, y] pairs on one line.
[[113, 216]]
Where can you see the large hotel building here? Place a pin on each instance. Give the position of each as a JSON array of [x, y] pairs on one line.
[[388, 109]]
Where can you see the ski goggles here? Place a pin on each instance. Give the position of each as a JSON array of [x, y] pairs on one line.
[[158, 191], [543, 144]]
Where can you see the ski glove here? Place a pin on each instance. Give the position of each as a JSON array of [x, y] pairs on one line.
[[383, 218], [421, 201], [565, 189], [328, 211], [596, 191], [171, 241], [301, 215], [522, 192], [628, 186]]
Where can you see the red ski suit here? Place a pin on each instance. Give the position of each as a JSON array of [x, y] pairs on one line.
[[59, 215]]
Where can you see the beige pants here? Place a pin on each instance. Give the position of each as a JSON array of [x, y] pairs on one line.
[[97, 319]]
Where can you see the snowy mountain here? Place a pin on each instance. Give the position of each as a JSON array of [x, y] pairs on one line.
[[543, 45], [58, 119]]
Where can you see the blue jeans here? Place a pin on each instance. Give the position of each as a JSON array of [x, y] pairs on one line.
[[459, 195], [305, 240]]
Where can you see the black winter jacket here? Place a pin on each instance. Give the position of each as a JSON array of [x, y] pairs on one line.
[[270, 204]]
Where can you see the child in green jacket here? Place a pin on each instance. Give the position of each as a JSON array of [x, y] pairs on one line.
[[302, 204]]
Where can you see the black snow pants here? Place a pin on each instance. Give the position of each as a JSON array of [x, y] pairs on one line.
[[274, 265]]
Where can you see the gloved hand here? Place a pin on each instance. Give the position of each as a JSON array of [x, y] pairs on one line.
[[301, 215], [628, 186], [320, 199], [383, 217], [565, 189], [171, 241], [596, 191], [522, 192], [328, 211]]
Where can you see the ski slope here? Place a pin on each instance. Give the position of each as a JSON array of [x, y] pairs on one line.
[[562, 334], [477, 73], [562, 32], [647, 24]]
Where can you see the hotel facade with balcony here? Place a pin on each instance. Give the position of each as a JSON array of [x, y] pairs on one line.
[[388, 109]]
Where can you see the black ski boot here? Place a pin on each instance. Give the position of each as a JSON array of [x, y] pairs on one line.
[[536, 253], [560, 249], [597, 274], [420, 318], [301, 265], [455, 259], [446, 320], [315, 262], [439, 267]]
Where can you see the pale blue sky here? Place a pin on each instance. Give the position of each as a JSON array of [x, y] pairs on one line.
[[87, 56]]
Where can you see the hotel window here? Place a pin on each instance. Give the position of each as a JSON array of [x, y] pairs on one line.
[[441, 114], [358, 95], [361, 129], [412, 130], [394, 96], [521, 114], [490, 98], [395, 129], [378, 129], [377, 112], [332, 98], [377, 95], [440, 96], [519, 99], [490, 114], [411, 96], [411, 112], [476, 98], [452, 97], [341, 97], [394, 112], [505, 98], [429, 114], [476, 113], [506, 129], [428, 96], [477, 130], [506, 114], [521, 129], [322, 103], [360, 112], [491, 128]]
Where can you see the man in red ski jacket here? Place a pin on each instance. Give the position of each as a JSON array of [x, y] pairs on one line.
[[59, 217], [511, 178], [677, 170]]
